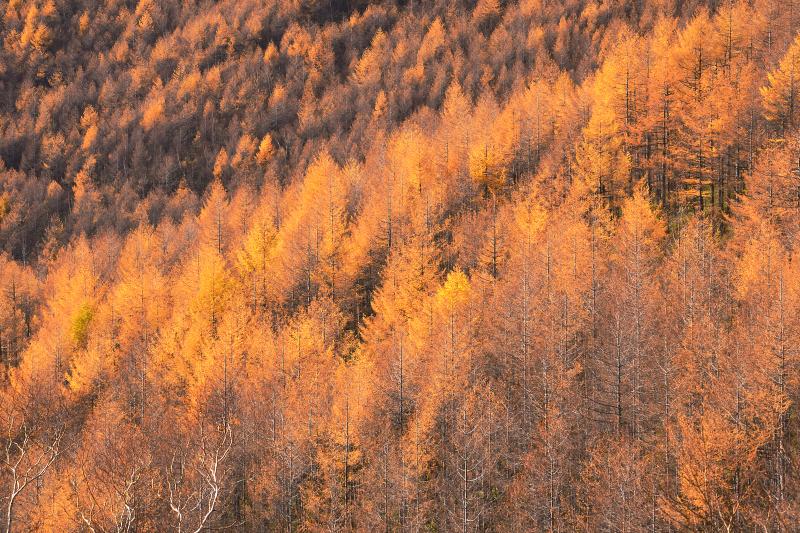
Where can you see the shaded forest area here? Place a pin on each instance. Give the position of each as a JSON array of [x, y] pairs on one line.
[[399, 266]]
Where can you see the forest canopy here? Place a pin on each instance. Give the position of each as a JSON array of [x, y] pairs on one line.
[[488, 265]]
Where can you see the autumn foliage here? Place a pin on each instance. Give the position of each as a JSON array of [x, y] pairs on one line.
[[399, 266]]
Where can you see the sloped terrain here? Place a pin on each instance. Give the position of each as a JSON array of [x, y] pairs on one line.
[[399, 266]]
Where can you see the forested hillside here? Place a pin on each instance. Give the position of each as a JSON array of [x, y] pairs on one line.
[[306, 265]]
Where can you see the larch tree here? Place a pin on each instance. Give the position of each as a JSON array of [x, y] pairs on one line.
[[697, 144], [780, 94]]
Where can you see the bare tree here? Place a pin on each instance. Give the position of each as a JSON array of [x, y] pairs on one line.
[[28, 456], [122, 511], [195, 481]]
